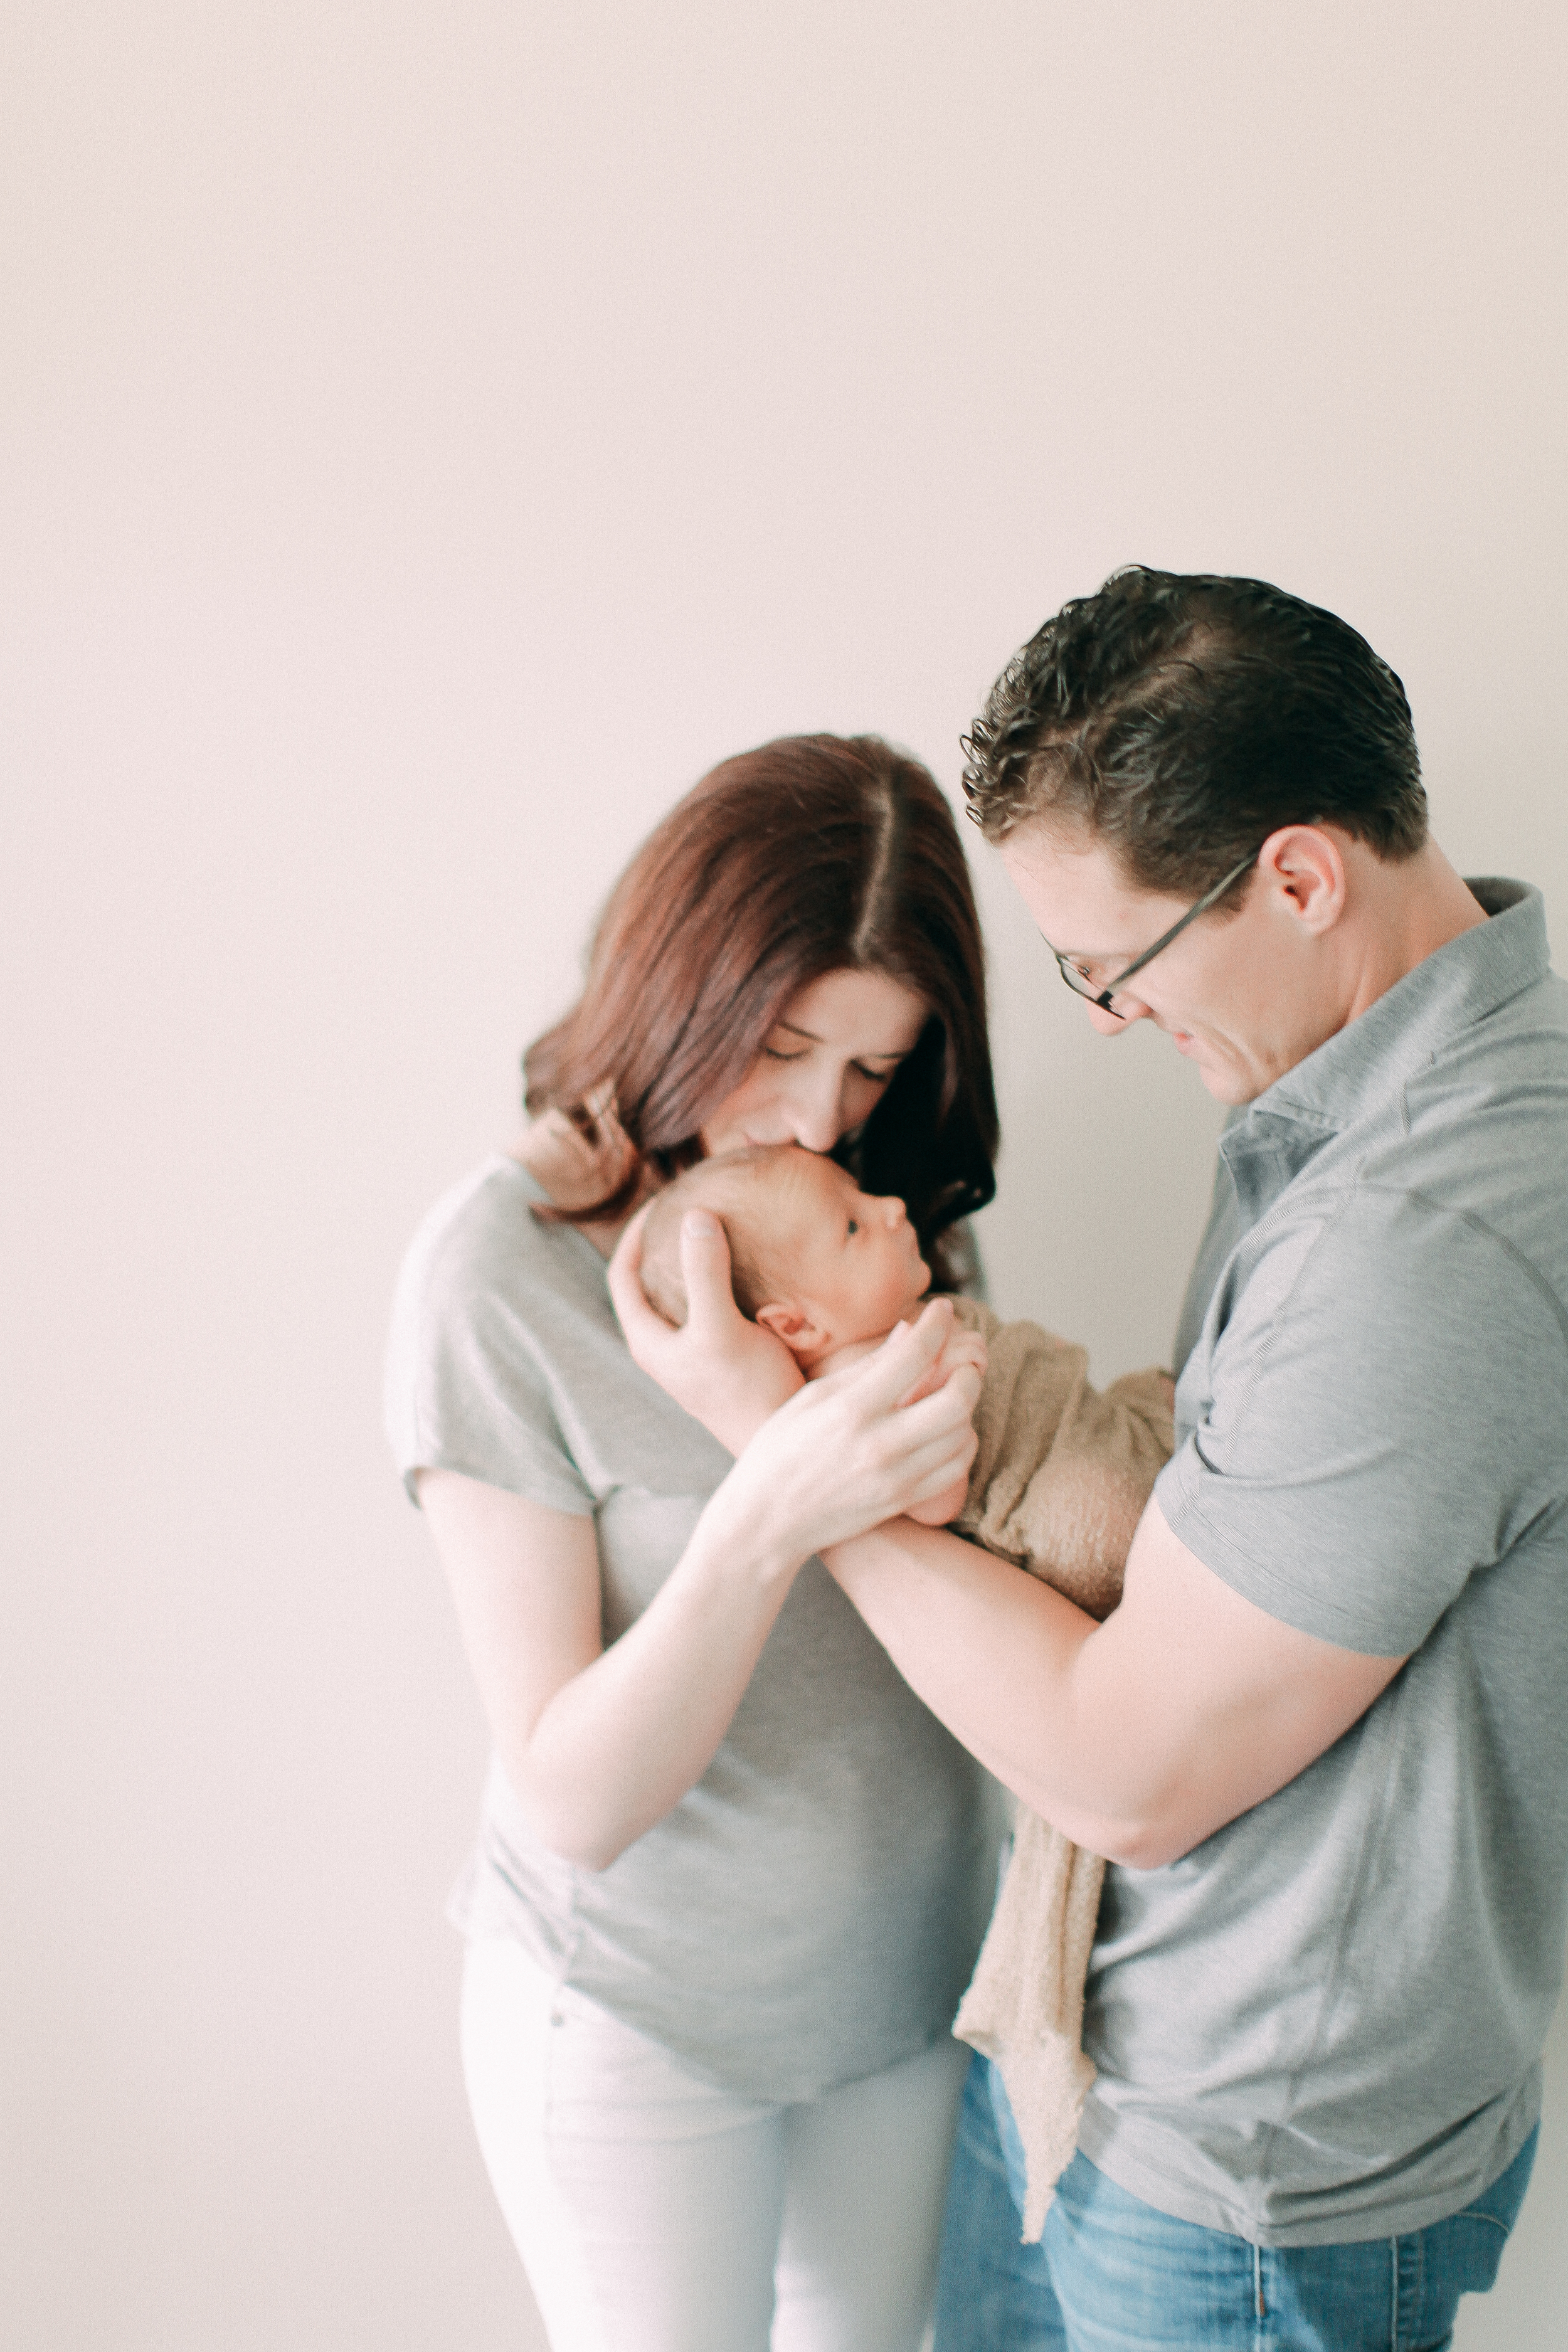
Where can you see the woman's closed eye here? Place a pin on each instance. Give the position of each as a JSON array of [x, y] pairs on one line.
[[872, 1077]]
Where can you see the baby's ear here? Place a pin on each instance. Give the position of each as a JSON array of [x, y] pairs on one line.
[[790, 1324]]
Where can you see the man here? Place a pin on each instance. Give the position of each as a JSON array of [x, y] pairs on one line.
[[1324, 1739]]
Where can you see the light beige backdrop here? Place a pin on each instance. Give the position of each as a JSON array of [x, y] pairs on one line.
[[433, 435]]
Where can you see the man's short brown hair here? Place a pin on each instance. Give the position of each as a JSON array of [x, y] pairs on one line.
[[1181, 718]]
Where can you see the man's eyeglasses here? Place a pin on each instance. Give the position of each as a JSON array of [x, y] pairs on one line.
[[1079, 981]]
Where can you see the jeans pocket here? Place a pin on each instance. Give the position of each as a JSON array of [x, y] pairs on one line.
[[1500, 2204], [1461, 2255], [1472, 2250]]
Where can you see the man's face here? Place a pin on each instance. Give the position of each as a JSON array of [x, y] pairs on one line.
[[1236, 993]]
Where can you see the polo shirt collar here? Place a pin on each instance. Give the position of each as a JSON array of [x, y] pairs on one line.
[[1448, 992]]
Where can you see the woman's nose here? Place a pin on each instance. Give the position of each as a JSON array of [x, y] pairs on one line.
[[815, 1115]]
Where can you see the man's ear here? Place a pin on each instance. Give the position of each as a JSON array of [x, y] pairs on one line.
[[793, 1325], [1306, 864]]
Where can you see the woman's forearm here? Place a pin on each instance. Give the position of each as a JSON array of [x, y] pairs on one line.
[[620, 1743], [600, 1743]]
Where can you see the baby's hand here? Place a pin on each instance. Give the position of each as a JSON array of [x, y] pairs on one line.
[[578, 1160], [963, 1346]]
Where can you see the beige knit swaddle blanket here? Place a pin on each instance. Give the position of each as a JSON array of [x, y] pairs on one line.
[[1058, 1484]]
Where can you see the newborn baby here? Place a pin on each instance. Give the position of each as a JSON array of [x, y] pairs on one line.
[[1057, 1485], [1062, 1474], [826, 1267]]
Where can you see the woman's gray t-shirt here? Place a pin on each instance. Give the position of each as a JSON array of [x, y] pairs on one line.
[[810, 1912]]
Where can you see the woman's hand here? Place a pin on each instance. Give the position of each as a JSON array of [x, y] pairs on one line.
[[579, 1160], [851, 1449], [728, 1373]]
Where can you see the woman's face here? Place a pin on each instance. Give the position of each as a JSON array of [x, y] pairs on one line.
[[824, 1065]]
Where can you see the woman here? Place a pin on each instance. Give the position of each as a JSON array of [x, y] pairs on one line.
[[731, 1876]]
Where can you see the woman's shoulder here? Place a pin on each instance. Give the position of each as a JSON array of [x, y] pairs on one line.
[[482, 1233], [499, 1323], [505, 1360], [482, 1262]]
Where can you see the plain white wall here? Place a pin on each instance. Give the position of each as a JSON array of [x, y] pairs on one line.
[[432, 436]]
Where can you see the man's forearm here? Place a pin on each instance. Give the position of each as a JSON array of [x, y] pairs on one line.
[[993, 1653], [1138, 1738]]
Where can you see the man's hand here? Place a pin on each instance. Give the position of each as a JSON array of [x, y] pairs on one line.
[[941, 1508], [728, 1373]]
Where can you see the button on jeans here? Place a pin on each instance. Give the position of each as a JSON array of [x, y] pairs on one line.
[[1113, 2274]]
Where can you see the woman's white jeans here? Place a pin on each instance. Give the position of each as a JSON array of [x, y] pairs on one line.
[[654, 2214]]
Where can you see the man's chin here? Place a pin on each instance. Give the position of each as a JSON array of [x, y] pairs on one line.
[[1223, 1079], [1230, 1087]]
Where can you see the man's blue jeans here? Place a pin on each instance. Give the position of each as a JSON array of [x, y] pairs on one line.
[[1112, 2274]]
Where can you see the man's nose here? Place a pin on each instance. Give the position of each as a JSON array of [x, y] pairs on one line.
[[1112, 1024]]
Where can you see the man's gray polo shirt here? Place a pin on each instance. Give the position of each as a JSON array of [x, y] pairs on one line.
[[1324, 2024]]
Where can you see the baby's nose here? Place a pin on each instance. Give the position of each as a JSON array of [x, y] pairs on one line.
[[893, 1208]]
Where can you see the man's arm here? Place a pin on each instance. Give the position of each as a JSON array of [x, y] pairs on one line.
[[1138, 1738]]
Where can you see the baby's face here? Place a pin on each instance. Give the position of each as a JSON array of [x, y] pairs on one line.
[[854, 1260]]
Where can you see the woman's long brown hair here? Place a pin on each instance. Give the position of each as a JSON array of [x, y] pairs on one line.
[[812, 855]]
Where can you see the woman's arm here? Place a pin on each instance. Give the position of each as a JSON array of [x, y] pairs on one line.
[[597, 1744], [600, 1743]]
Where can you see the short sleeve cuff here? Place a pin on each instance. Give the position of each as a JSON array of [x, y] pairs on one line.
[[1241, 1545]]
